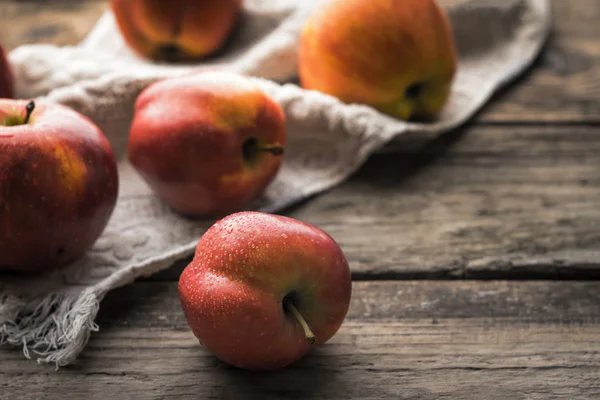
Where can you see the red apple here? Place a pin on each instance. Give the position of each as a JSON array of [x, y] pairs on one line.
[[6, 76], [176, 30], [58, 185], [207, 144], [262, 289]]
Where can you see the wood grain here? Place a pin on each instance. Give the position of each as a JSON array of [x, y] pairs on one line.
[[486, 202], [481, 193], [402, 340], [563, 86]]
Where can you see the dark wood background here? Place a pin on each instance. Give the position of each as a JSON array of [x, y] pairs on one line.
[[475, 257]]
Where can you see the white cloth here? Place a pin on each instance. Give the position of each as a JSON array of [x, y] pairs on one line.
[[52, 316]]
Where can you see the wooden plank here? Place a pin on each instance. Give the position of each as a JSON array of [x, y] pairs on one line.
[[402, 340], [454, 205], [488, 202], [564, 86]]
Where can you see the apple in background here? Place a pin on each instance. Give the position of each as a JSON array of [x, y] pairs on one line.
[[208, 143], [395, 56], [6, 76], [58, 185], [262, 289], [176, 30]]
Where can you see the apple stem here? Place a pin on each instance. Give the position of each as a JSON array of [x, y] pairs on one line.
[[274, 149], [28, 109], [310, 337]]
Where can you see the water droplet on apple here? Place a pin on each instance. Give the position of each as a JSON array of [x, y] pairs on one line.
[[283, 235]]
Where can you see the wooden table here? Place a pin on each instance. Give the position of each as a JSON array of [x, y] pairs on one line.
[[475, 257]]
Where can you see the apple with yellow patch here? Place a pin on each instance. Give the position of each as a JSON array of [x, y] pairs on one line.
[[208, 143], [176, 30], [397, 56], [58, 185]]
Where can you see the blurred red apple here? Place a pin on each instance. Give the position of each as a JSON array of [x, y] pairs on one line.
[[177, 29], [262, 289], [6, 75], [207, 144], [58, 185]]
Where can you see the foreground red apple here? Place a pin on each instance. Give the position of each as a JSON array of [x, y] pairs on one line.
[[176, 30], [6, 76], [207, 144], [58, 185], [262, 289]]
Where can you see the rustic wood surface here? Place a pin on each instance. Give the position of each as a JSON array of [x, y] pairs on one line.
[[482, 193], [402, 340], [509, 202]]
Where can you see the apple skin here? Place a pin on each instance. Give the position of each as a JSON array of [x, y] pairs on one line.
[[244, 266], [6, 75], [187, 142], [398, 57], [176, 30], [58, 186]]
